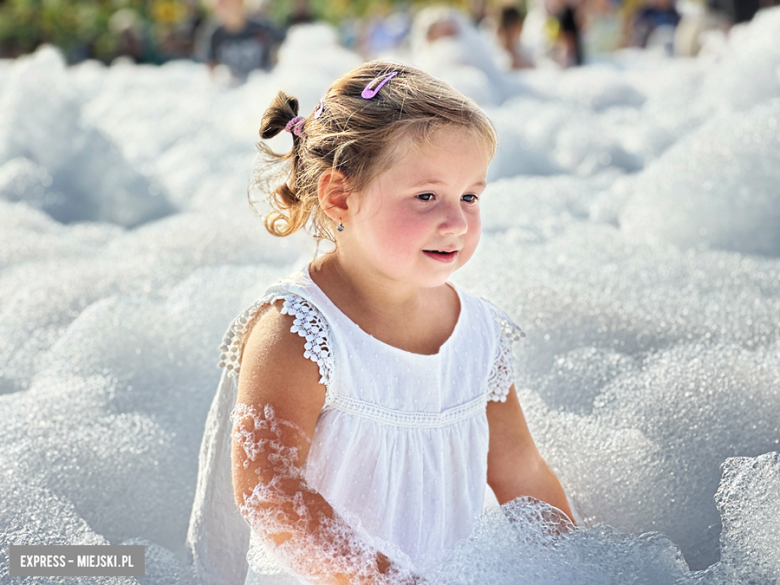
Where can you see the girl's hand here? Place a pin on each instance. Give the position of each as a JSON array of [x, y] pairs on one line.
[[515, 467], [392, 574]]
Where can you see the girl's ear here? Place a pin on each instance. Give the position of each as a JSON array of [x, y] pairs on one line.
[[333, 191]]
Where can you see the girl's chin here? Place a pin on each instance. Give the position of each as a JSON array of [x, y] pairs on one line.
[[435, 278]]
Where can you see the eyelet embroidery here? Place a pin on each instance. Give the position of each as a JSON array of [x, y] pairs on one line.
[[308, 323], [502, 373]]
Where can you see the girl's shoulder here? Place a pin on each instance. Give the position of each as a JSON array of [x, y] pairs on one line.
[[503, 332], [507, 327], [504, 325], [295, 298]]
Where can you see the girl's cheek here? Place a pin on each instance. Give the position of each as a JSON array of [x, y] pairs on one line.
[[475, 225], [405, 225]]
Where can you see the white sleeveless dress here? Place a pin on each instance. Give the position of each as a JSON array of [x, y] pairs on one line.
[[400, 446]]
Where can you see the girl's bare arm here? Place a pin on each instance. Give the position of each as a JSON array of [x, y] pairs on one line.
[[279, 401], [515, 467]]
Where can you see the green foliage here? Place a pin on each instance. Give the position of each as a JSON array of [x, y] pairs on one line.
[[79, 27], [73, 25], [337, 11]]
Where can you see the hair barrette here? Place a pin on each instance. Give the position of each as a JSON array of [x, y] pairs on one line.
[[320, 109], [368, 92], [295, 125]]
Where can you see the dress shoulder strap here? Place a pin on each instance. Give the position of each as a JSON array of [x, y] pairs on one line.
[[501, 375], [308, 322]]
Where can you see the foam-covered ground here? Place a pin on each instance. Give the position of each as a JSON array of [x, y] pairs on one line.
[[632, 229]]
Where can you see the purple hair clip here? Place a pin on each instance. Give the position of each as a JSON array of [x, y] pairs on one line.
[[295, 125], [320, 109], [368, 92]]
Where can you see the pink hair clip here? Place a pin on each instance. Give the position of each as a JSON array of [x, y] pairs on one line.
[[295, 125], [320, 108], [368, 92]]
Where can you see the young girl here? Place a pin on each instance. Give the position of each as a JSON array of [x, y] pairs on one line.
[[374, 400]]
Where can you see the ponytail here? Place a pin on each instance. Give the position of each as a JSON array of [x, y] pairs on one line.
[[290, 212], [283, 109]]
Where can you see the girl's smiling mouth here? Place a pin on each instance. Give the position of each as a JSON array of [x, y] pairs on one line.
[[441, 255]]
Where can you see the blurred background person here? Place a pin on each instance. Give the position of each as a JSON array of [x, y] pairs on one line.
[[738, 11], [179, 22], [384, 31], [653, 25], [565, 25], [300, 14], [701, 20], [445, 42], [510, 28], [127, 28], [240, 43], [602, 29], [479, 11]]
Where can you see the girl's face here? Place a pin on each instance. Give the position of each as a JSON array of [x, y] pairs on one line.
[[419, 221]]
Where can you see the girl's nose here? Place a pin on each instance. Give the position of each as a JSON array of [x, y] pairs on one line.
[[454, 221]]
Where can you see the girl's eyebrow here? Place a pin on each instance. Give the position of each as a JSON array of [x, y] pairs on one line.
[[425, 182]]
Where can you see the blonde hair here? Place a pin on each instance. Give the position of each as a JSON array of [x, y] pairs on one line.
[[355, 136]]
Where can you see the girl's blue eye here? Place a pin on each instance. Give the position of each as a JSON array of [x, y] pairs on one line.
[[425, 196], [470, 198]]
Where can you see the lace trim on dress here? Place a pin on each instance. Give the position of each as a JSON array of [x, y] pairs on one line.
[[311, 325], [400, 418], [308, 323], [502, 373]]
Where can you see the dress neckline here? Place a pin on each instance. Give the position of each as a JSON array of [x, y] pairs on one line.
[[340, 313]]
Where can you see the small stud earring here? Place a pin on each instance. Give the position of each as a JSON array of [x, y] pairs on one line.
[[340, 227]]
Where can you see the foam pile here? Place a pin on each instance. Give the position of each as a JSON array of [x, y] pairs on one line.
[[53, 161], [631, 230], [729, 172], [519, 543]]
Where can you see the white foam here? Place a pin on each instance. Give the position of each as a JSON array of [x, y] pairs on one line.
[[717, 187], [52, 159], [649, 299]]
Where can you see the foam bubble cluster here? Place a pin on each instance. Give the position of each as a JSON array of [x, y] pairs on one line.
[[727, 173], [631, 229], [519, 543]]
